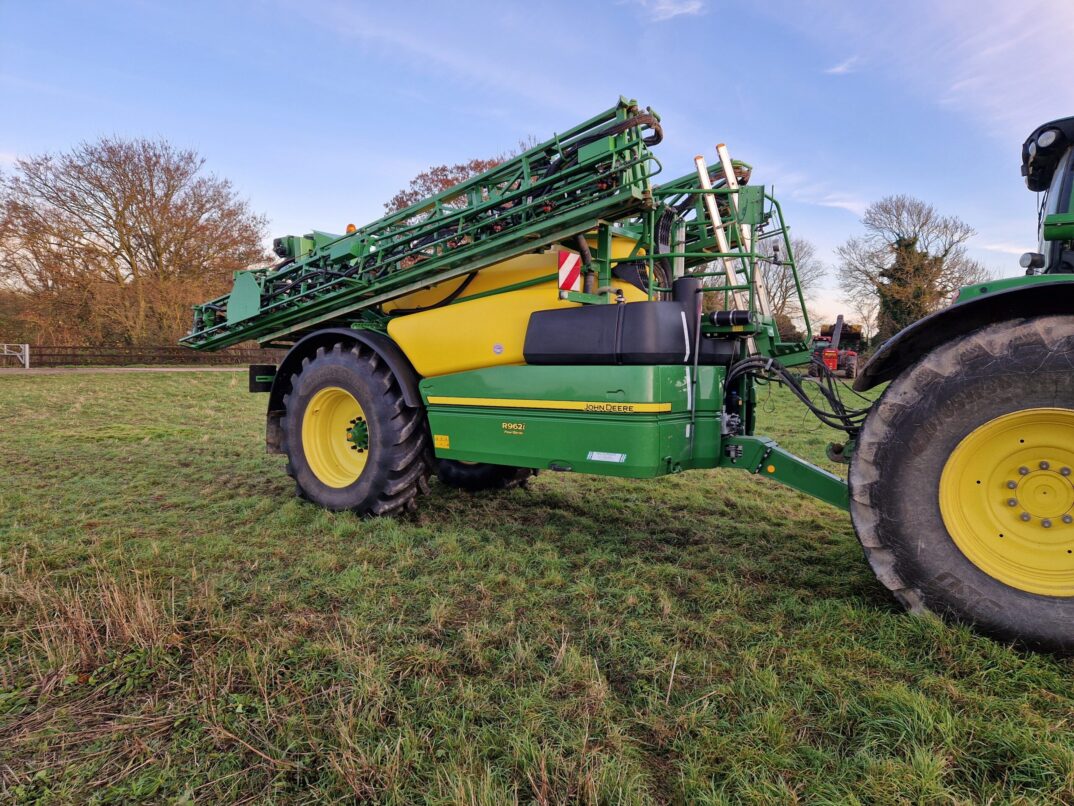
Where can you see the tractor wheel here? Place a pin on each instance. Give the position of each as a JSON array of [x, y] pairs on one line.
[[851, 367], [962, 483], [351, 440], [476, 476]]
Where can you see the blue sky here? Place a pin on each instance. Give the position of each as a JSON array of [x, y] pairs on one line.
[[320, 111]]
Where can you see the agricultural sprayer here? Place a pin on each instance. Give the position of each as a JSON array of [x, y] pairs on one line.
[[548, 315]]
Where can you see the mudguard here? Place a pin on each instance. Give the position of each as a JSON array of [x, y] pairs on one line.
[[383, 346], [1041, 295]]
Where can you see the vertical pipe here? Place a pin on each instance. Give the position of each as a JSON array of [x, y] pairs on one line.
[[717, 227], [678, 264], [745, 236]]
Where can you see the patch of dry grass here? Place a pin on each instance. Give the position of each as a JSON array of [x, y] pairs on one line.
[[177, 627]]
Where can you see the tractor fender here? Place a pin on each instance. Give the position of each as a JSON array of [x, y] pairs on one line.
[[908, 345], [383, 346]]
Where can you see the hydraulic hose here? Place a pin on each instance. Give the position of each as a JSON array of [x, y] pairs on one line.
[[454, 295], [836, 416], [647, 119]]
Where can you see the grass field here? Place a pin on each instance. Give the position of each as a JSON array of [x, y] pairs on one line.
[[177, 627]]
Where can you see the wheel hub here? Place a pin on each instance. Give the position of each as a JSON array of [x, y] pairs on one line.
[[1007, 499], [358, 434], [335, 437]]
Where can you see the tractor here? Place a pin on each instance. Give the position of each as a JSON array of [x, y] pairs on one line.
[[836, 348], [565, 312]]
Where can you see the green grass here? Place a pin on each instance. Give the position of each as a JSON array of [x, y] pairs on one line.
[[177, 627]]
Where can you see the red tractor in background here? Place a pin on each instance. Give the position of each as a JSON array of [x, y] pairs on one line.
[[837, 347]]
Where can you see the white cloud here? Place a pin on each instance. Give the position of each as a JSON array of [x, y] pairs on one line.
[[1004, 69], [995, 61], [844, 67], [659, 10], [8, 157], [439, 55], [852, 204], [1006, 248], [806, 188]]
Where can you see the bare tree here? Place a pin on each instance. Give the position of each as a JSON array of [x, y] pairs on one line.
[[113, 241], [436, 179], [439, 178], [911, 261], [779, 280], [865, 311]]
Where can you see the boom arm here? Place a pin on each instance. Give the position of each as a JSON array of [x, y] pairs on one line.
[[587, 183], [567, 185]]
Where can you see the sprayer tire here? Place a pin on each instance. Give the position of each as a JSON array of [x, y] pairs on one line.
[[396, 464], [477, 476]]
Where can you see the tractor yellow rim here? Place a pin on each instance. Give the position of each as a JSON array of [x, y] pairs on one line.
[[335, 437], [1007, 499]]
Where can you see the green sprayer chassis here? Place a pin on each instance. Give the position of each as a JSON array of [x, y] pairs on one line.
[[565, 312]]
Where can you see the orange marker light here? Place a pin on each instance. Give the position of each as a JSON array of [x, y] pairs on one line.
[[351, 228]]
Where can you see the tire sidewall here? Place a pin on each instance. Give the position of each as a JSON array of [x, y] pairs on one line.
[[343, 370], [914, 439]]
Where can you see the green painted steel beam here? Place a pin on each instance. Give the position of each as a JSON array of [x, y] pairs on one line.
[[762, 456], [597, 171]]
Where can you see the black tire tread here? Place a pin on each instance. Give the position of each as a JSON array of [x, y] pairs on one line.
[[407, 465], [479, 477], [1004, 343]]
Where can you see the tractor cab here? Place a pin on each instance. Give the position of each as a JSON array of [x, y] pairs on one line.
[[1047, 157], [820, 345]]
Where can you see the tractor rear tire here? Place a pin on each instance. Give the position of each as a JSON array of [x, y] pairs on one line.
[[851, 368], [352, 442], [961, 486], [477, 476]]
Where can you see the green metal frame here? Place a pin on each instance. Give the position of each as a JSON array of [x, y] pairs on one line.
[[554, 191], [592, 181]]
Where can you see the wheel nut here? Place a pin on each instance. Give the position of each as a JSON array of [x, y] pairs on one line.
[[1023, 470], [1047, 524], [1012, 502], [1064, 471], [1068, 519], [1012, 485], [1025, 516], [1044, 465]]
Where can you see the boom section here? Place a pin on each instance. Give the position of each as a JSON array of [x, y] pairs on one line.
[[597, 171]]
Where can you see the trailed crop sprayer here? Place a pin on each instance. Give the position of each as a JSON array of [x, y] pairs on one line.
[[564, 311]]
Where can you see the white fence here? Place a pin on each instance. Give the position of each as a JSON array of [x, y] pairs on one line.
[[19, 351]]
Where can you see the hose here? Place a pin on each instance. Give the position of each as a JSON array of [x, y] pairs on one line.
[[838, 416], [571, 152], [454, 295]]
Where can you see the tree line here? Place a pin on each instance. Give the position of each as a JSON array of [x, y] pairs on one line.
[[112, 243]]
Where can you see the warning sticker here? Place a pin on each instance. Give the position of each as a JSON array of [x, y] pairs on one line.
[[602, 456], [441, 441], [570, 271]]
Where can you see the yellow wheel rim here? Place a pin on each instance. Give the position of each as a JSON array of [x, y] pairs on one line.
[[335, 437], [1007, 499]]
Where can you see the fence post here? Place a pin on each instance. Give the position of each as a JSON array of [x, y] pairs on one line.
[[21, 352]]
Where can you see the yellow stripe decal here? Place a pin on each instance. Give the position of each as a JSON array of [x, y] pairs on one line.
[[564, 405]]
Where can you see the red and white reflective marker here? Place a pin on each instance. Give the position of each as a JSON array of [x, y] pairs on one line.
[[570, 271]]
